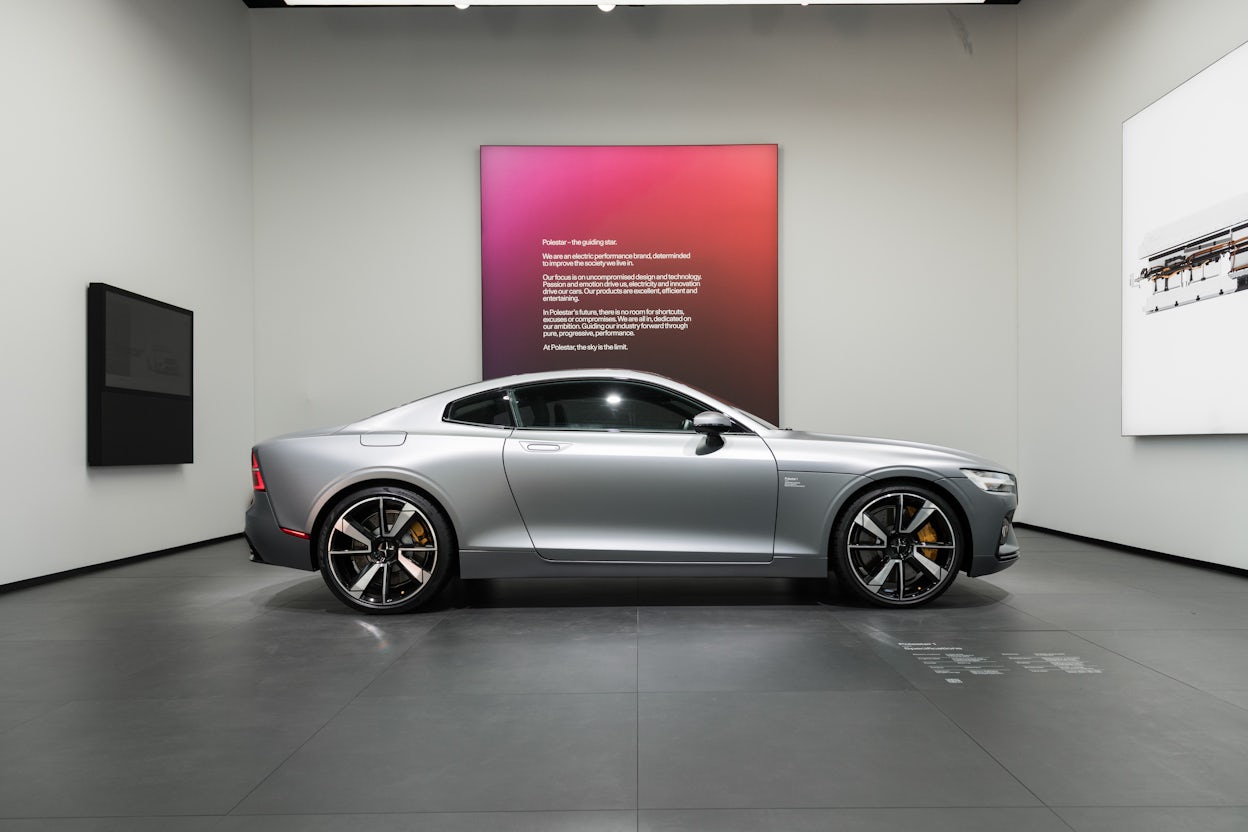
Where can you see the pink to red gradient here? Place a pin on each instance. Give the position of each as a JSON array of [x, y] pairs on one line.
[[716, 202]]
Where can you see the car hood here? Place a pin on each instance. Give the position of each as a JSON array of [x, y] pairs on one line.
[[821, 452]]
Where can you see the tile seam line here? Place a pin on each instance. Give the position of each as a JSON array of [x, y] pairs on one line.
[[1052, 809], [637, 706], [338, 712], [859, 807], [1141, 664], [980, 746]]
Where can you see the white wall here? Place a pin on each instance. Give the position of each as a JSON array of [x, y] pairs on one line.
[[943, 180], [1084, 67], [124, 158], [896, 129]]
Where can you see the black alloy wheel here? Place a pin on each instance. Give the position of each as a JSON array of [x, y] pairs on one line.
[[385, 550], [898, 546]]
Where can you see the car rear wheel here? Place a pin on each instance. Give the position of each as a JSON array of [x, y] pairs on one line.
[[898, 546], [385, 550]]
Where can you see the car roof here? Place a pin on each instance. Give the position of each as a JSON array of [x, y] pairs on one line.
[[430, 407], [560, 375]]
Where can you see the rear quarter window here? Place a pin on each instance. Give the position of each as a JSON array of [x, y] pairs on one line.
[[492, 409]]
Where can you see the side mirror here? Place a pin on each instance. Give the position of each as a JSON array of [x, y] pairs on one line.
[[711, 422]]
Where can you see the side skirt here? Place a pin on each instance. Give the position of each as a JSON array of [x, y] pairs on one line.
[[478, 563]]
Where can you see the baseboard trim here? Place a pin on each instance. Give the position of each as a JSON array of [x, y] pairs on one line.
[[97, 567], [1135, 550], [108, 564]]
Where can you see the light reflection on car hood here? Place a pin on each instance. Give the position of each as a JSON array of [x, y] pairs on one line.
[[798, 450]]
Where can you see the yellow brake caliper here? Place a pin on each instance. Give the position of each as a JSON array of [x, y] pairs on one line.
[[928, 535]]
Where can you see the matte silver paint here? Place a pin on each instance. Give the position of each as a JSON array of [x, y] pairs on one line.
[[596, 498], [541, 502]]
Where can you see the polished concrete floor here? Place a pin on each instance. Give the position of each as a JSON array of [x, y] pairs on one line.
[[1085, 689]]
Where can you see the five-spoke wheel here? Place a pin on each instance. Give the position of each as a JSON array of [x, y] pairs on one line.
[[385, 550], [898, 546]]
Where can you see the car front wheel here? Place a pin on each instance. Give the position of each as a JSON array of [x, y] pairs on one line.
[[385, 550], [898, 546]]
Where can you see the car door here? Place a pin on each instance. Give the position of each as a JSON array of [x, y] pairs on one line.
[[611, 470]]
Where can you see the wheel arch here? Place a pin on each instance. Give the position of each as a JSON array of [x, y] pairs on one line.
[[877, 481], [332, 497]]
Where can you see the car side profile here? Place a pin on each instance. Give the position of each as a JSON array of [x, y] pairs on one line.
[[601, 473]]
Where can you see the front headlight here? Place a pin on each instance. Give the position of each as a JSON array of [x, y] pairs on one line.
[[996, 482]]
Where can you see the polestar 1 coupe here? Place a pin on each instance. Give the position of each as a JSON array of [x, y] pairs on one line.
[[598, 473]]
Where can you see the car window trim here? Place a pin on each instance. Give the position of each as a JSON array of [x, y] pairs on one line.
[[737, 430], [446, 411], [477, 424]]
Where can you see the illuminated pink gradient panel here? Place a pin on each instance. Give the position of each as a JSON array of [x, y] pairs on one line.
[[648, 258]]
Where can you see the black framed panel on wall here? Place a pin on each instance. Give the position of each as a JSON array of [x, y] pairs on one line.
[[140, 400]]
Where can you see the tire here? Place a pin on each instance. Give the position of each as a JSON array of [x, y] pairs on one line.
[[385, 550], [898, 564]]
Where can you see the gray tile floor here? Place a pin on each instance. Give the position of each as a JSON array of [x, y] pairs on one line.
[[1085, 689]]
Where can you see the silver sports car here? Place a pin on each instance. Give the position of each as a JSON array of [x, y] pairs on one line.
[[617, 473]]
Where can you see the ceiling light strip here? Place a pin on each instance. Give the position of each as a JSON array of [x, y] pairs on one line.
[[461, 4]]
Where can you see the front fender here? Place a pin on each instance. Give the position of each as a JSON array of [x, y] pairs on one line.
[[810, 503], [807, 506]]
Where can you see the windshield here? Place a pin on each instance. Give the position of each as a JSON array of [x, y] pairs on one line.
[[763, 423]]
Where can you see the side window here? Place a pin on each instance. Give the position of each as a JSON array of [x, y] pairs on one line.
[[605, 405], [492, 408]]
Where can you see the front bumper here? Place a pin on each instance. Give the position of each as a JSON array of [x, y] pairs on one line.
[[991, 516], [269, 544]]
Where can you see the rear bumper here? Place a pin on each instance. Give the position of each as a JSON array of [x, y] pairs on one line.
[[269, 544]]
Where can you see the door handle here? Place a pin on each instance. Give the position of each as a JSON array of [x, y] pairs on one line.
[[541, 446]]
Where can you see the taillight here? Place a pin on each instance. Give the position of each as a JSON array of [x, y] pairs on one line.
[[257, 479]]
